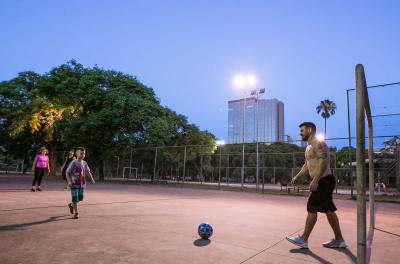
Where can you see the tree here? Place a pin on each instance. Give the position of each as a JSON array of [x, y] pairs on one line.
[[108, 112], [327, 108], [392, 144]]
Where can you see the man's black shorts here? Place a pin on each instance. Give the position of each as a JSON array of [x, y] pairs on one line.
[[321, 200]]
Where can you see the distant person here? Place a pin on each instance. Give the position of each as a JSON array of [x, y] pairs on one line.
[[39, 167], [380, 187], [67, 161], [76, 172], [317, 165]]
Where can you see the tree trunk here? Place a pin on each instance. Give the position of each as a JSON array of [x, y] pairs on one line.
[[325, 127], [53, 162]]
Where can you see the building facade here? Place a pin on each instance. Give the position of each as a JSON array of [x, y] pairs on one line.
[[251, 120]]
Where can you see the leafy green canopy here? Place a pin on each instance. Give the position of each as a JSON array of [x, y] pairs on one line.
[[103, 110]]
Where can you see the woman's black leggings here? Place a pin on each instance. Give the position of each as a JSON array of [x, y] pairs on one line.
[[39, 172]]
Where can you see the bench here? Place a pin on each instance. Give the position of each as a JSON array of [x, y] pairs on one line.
[[297, 188]]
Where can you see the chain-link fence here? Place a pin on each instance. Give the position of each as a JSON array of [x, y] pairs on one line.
[[266, 166], [385, 119], [240, 165], [256, 165]]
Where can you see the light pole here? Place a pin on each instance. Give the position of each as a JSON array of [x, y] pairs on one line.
[[244, 82], [257, 94]]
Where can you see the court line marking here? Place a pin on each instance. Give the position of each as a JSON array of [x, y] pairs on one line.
[[273, 245]]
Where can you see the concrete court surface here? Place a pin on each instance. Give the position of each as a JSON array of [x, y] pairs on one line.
[[127, 223]]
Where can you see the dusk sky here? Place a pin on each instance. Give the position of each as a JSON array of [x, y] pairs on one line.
[[189, 51]]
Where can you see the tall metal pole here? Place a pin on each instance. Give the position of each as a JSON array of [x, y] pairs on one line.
[[257, 152], [349, 136], [360, 157], [244, 123], [117, 166]]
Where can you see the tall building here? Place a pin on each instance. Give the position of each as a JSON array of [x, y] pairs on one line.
[[262, 120]]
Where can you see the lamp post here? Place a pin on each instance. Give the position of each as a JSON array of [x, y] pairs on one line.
[[243, 82], [257, 94]]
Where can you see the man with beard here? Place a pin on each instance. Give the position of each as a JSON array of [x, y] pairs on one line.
[[317, 165]]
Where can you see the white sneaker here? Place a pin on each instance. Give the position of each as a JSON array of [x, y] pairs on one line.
[[335, 244], [298, 241]]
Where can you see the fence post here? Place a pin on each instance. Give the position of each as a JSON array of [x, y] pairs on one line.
[[258, 166], [336, 174], [227, 171], [117, 166], [349, 152], [274, 175], [263, 181], [141, 171], [155, 165], [130, 164], [201, 168], [242, 169], [294, 165], [371, 177], [184, 167], [397, 167]]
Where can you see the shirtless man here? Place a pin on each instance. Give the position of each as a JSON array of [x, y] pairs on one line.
[[317, 165]]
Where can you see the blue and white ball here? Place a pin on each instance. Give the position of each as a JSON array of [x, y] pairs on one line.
[[205, 230]]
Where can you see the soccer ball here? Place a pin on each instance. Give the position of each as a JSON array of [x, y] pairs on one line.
[[205, 230]]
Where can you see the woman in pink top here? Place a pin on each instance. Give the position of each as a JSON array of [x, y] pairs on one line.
[[40, 164]]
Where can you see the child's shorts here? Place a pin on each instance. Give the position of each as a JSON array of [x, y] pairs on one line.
[[77, 194]]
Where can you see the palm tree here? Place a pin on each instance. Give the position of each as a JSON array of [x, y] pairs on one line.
[[327, 108]]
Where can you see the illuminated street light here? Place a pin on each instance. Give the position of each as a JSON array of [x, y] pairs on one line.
[[320, 137], [220, 142], [242, 81]]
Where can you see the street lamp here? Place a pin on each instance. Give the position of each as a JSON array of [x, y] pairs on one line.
[[244, 82], [257, 93], [241, 81], [320, 137]]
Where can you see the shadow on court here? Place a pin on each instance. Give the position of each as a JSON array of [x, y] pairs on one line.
[[15, 190], [308, 252], [23, 226], [348, 253], [201, 242]]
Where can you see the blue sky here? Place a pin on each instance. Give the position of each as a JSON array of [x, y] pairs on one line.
[[188, 51]]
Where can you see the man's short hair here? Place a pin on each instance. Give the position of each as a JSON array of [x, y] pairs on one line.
[[80, 148], [310, 125]]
